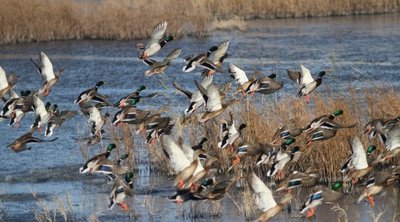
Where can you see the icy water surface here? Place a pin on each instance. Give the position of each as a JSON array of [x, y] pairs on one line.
[[359, 52]]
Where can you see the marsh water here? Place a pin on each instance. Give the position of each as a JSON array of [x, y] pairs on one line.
[[360, 52]]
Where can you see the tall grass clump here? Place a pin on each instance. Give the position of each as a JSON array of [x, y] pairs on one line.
[[325, 157], [45, 20]]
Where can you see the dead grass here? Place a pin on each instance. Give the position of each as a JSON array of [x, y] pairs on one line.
[[45, 20]]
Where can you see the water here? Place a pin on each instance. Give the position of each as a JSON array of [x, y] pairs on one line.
[[359, 52]]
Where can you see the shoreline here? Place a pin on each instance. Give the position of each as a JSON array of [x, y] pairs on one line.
[[133, 20]]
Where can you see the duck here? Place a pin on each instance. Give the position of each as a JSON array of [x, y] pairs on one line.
[[100, 164], [212, 98], [120, 190], [9, 105], [324, 121], [22, 105], [157, 127], [46, 70], [389, 133], [217, 57], [246, 86], [229, 132], [283, 133], [57, 119], [265, 152], [160, 67], [6, 83], [97, 120], [264, 199], [216, 190], [20, 144], [267, 85], [133, 98], [178, 160], [307, 83], [183, 195], [201, 60], [320, 195], [202, 171], [319, 134], [377, 184], [297, 179], [281, 159], [92, 94], [157, 41], [196, 99], [358, 164], [41, 112]]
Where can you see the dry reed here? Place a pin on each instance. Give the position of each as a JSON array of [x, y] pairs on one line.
[[45, 20]]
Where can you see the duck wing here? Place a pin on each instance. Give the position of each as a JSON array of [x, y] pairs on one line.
[[176, 155], [238, 74], [264, 198]]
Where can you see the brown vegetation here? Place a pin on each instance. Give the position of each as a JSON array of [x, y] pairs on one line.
[[262, 120], [44, 20]]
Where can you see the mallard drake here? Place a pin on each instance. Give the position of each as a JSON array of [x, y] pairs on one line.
[[133, 98], [281, 159], [202, 171], [389, 132], [324, 121], [46, 70], [212, 97], [306, 81], [217, 57], [320, 134], [358, 164], [321, 195], [97, 120], [297, 179], [264, 199], [201, 60], [283, 133], [6, 84], [229, 133], [41, 112], [120, 190], [216, 190], [377, 184], [57, 119], [20, 143], [92, 94], [156, 42], [100, 164], [160, 67], [196, 99], [357, 154], [178, 160]]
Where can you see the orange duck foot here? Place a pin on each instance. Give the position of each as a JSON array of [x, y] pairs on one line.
[[236, 160], [123, 206], [371, 201], [310, 213]]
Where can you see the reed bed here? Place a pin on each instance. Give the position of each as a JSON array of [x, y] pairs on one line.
[[263, 119], [45, 20]]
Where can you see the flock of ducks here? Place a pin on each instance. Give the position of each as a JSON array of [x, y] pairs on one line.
[[196, 170]]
